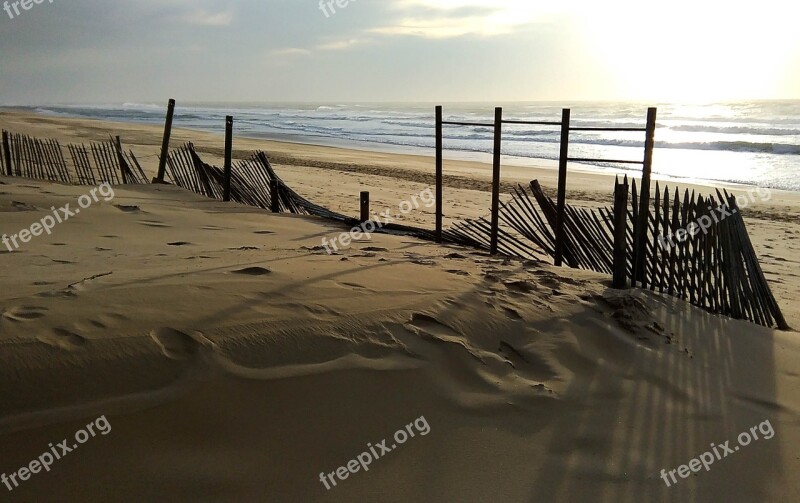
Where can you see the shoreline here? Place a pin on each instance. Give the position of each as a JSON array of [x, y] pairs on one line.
[[391, 149]]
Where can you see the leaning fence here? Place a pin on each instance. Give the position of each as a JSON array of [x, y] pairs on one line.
[[711, 263], [717, 270]]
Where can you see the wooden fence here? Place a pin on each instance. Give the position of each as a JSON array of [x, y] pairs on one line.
[[696, 247], [716, 269], [22, 155], [565, 127]]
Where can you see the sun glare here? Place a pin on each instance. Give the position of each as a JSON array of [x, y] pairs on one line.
[[696, 53]]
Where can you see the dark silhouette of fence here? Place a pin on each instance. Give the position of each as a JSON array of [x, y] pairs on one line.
[[711, 263], [716, 269], [565, 128], [30, 157]]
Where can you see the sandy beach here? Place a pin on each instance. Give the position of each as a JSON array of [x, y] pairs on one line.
[[236, 361]]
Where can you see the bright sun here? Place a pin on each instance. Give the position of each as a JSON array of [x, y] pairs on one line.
[[695, 51]]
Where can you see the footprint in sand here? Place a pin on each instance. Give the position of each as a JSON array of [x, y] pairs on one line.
[[153, 223], [253, 271], [521, 286], [512, 313], [263, 232], [179, 243], [18, 206], [354, 285], [128, 209], [62, 339], [177, 345], [24, 313], [110, 318], [90, 324]]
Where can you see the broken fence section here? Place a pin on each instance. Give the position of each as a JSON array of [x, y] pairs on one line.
[[251, 184]]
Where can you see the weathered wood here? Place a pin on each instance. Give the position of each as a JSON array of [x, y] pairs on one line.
[[274, 198], [496, 155], [620, 224], [654, 281], [228, 156], [7, 155], [562, 188], [644, 200], [634, 218], [365, 215], [439, 175], [162, 163]]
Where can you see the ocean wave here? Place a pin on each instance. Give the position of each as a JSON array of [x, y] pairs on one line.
[[750, 130], [147, 106], [738, 146], [522, 137]]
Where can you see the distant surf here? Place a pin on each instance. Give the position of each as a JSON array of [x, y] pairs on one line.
[[754, 143]]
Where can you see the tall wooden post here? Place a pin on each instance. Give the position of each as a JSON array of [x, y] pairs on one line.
[[364, 207], [162, 162], [228, 157], [498, 141], [7, 153], [562, 187], [439, 176], [275, 204], [121, 159], [620, 231], [644, 200]]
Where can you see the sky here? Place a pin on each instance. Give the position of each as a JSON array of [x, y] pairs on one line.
[[145, 51]]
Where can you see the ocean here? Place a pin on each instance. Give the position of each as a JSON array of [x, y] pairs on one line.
[[754, 143]]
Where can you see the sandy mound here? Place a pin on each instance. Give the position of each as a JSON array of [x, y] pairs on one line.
[[240, 366]]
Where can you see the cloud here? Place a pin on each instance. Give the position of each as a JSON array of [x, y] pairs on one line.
[[440, 19], [343, 44], [290, 51], [205, 18]]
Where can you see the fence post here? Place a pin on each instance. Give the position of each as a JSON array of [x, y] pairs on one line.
[[273, 195], [121, 160], [498, 143], [562, 186], [364, 207], [620, 231], [7, 153], [162, 162], [439, 177], [642, 225], [228, 157]]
